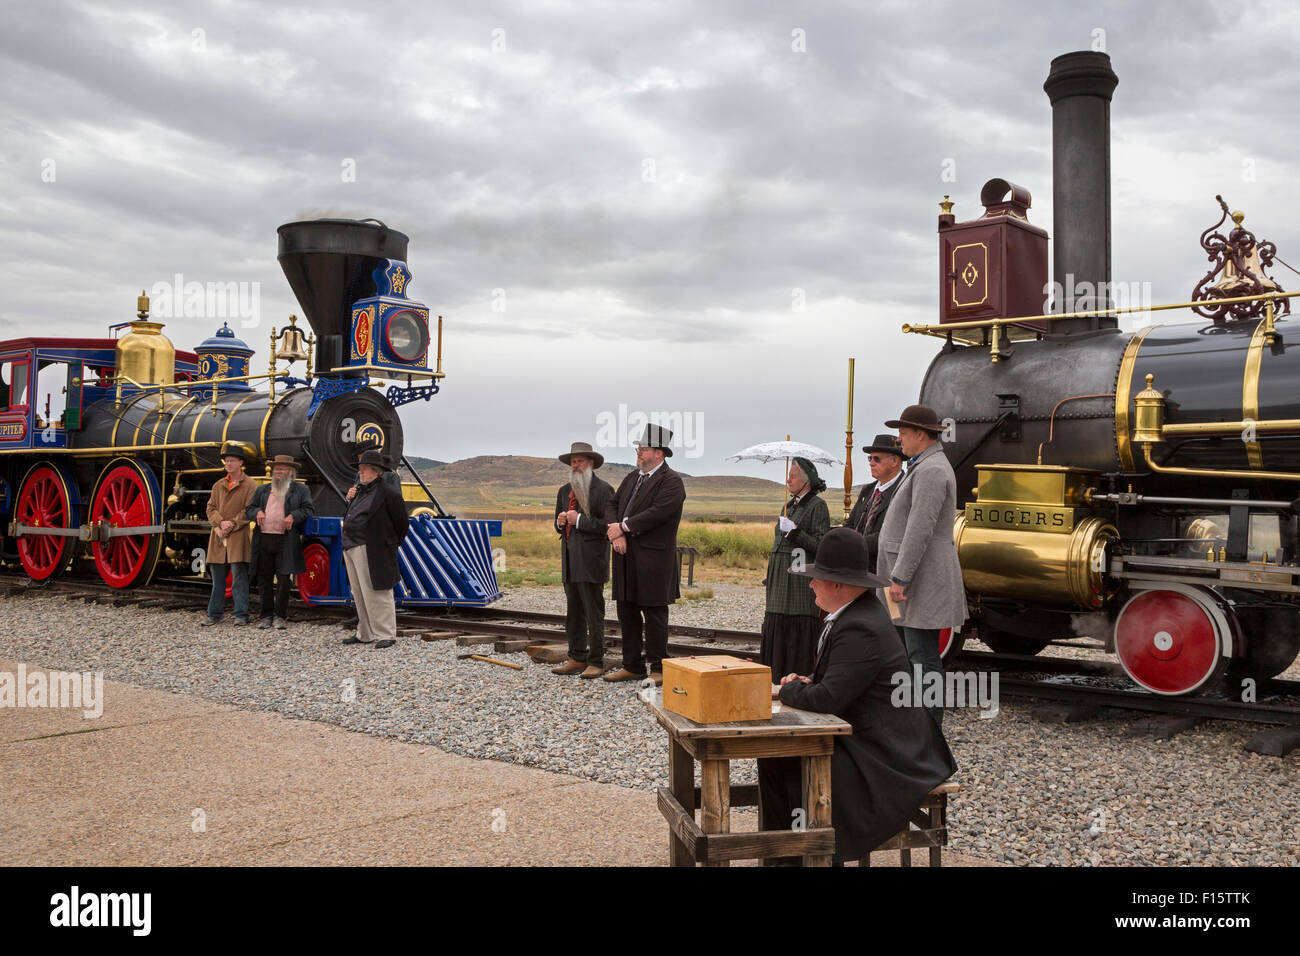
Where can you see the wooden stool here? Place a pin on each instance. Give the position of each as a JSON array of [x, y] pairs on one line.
[[928, 829]]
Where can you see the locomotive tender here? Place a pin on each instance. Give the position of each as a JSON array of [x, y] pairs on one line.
[[1138, 487], [121, 476]]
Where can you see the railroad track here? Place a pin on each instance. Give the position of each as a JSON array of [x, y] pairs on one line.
[[1087, 685]]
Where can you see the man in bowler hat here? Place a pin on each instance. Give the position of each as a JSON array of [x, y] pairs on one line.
[[647, 512], [885, 460], [374, 527], [584, 510], [895, 755], [917, 553]]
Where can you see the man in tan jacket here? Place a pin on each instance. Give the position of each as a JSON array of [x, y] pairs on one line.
[[228, 545]]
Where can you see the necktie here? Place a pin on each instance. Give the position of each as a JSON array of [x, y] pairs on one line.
[[875, 503], [821, 643], [790, 506], [573, 506], [639, 481]]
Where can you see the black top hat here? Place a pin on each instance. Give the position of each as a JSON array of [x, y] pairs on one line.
[[656, 436], [885, 444], [918, 416], [375, 458], [582, 448], [842, 557], [234, 449]]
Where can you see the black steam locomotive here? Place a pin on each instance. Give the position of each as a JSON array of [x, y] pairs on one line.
[[1137, 487], [120, 476]]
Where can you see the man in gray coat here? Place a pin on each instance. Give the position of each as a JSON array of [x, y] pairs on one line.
[[917, 553]]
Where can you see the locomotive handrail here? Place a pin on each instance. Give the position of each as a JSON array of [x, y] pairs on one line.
[[944, 329]]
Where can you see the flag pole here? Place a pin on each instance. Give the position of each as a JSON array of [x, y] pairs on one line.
[[848, 452]]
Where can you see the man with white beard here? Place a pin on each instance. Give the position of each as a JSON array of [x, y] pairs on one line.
[[279, 510], [584, 509]]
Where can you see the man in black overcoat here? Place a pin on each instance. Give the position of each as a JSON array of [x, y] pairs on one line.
[[885, 459], [647, 511], [895, 755], [374, 527], [584, 510]]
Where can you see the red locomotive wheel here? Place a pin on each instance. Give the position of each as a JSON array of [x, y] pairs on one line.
[[43, 503], [950, 644], [315, 581], [1171, 640], [230, 583], [125, 498]]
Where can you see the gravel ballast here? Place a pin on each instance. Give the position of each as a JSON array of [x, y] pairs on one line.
[[1032, 792]]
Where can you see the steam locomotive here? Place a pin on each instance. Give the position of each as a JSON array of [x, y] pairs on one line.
[[120, 477], [1134, 487]]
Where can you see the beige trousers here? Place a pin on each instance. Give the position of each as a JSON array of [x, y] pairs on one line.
[[376, 610]]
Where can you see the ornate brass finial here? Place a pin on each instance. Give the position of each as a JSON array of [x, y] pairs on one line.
[[142, 306], [946, 205], [1149, 413], [1238, 216]]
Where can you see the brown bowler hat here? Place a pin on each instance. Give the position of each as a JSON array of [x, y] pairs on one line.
[[918, 416], [284, 460], [582, 448], [842, 557], [374, 457]]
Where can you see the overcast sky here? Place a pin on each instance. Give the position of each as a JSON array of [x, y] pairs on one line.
[[673, 207]]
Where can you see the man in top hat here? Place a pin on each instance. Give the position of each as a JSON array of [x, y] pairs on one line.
[[895, 755], [228, 545], [647, 512], [374, 527], [917, 553], [584, 510], [278, 509], [885, 459]]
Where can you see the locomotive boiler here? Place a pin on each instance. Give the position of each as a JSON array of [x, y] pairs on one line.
[[1134, 486], [119, 479]]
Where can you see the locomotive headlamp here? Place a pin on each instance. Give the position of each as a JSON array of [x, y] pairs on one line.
[[406, 337]]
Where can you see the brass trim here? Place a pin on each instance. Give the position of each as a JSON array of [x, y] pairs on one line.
[[167, 435], [1216, 472], [390, 373], [1228, 428], [984, 275], [1123, 387], [1250, 391], [112, 449], [117, 422], [225, 429], [194, 430]]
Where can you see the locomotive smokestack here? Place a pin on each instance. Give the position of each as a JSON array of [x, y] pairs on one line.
[[1079, 86], [328, 263]]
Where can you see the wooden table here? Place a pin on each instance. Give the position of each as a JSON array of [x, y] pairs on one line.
[[790, 733]]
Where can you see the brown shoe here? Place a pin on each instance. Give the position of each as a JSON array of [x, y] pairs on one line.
[[569, 667], [623, 674], [591, 673], [658, 678]]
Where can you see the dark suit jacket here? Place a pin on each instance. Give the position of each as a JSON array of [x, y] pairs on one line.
[[858, 516], [297, 503], [384, 533], [584, 556], [647, 573], [895, 755]]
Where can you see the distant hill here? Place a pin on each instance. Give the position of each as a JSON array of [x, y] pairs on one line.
[[420, 464], [523, 485]]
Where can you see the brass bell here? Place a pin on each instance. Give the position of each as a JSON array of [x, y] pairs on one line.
[[292, 347]]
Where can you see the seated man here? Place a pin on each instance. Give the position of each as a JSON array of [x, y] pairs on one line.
[[895, 755]]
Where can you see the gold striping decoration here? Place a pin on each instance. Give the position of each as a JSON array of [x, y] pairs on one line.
[[1250, 391], [231, 416], [1123, 446]]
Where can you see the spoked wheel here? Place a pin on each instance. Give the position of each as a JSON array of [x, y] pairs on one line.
[[45, 500], [1173, 639], [950, 643], [1004, 643], [315, 581], [126, 496], [1272, 640]]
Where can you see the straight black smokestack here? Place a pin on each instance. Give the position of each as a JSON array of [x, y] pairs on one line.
[[1079, 86]]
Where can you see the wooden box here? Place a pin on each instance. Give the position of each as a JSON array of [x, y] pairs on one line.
[[717, 689]]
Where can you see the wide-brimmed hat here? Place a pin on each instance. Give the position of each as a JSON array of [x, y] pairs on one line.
[[284, 460], [374, 457], [582, 448], [918, 416], [234, 449], [885, 444], [656, 436], [842, 557]]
